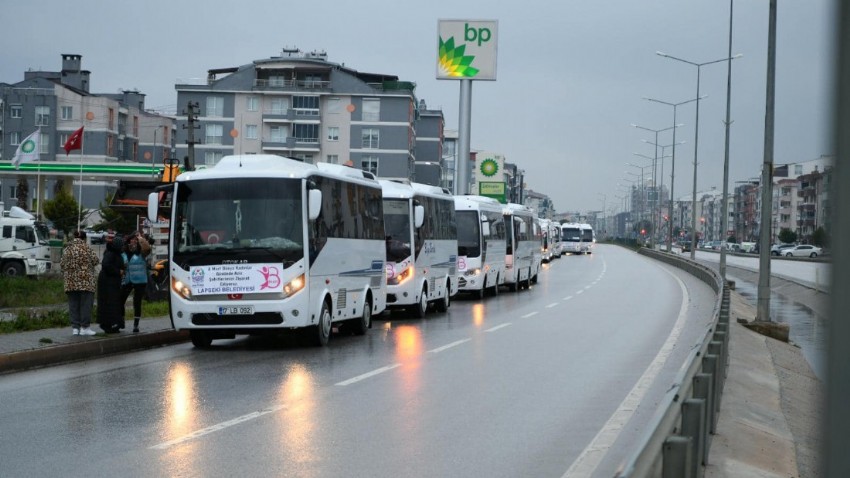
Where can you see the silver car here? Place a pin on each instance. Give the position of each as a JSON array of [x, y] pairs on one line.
[[803, 250]]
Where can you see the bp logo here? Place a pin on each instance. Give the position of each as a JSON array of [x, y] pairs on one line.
[[489, 167], [453, 60], [28, 146]]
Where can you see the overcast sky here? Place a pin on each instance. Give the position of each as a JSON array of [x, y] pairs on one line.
[[571, 75]]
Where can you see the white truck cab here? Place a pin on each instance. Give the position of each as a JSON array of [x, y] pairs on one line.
[[24, 248]]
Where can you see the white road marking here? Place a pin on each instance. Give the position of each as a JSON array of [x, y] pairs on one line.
[[498, 327], [215, 428], [530, 314], [368, 374], [589, 459], [579, 292], [446, 347], [588, 287], [568, 297], [553, 304]]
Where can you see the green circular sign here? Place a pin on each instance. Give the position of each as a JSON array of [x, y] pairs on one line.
[[489, 167], [28, 146]]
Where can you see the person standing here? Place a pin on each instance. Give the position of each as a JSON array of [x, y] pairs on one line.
[[110, 309], [78, 264], [135, 259]]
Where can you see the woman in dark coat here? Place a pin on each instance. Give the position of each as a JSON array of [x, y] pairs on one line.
[[110, 310]]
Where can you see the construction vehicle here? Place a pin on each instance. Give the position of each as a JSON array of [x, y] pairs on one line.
[[24, 247]]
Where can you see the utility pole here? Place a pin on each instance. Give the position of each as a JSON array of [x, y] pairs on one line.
[[191, 118], [763, 309]]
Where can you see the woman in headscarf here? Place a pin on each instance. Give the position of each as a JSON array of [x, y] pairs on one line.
[[110, 309]]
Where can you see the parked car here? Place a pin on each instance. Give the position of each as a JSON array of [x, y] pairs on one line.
[[713, 245], [96, 237], [803, 250], [778, 249]]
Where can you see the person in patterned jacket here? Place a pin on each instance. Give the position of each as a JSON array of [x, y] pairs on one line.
[[78, 264]]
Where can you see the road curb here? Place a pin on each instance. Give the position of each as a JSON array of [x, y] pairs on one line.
[[54, 355]]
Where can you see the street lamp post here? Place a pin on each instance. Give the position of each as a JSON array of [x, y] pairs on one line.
[[654, 173], [673, 167], [696, 140], [643, 195]]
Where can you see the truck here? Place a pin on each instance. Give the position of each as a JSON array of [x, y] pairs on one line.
[[24, 247]]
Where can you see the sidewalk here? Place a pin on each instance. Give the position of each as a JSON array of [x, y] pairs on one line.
[[769, 418], [40, 348]]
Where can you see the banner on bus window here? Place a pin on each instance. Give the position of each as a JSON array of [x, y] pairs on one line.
[[235, 279]]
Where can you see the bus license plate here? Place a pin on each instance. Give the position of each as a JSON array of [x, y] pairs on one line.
[[236, 310]]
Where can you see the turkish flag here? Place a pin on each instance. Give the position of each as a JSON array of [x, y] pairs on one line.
[[75, 141]]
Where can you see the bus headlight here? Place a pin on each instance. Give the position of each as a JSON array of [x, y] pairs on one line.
[[472, 272], [181, 289], [293, 286], [401, 278]]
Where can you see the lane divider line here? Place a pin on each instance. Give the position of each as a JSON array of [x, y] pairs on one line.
[[579, 291], [508, 324], [446, 347], [215, 428], [368, 374], [568, 297], [553, 304], [591, 457], [530, 314]]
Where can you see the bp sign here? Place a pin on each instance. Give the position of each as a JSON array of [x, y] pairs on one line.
[[467, 49], [495, 190]]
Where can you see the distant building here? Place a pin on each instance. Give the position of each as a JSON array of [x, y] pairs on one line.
[[540, 203], [117, 129]]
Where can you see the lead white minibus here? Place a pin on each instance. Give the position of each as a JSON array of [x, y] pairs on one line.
[[481, 244]]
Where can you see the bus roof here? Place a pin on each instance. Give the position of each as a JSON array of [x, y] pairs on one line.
[[513, 208], [393, 188], [477, 203], [270, 165]]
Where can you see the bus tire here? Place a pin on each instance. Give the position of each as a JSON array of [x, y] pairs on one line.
[[362, 324], [200, 338], [443, 304], [495, 290], [418, 310], [512, 287], [322, 330], [13, 269]]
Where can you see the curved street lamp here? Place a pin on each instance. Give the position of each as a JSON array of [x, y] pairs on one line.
[[696, 139]]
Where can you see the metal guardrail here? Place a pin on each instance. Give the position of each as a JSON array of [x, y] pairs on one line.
[[679, 436]]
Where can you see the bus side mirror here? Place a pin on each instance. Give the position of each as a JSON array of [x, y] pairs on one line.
[[314, 203], [485, 229], [418, 216], [522, 228], [153, 206]]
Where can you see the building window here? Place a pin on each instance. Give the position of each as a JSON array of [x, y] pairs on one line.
[[334, 105], [333, 133], [42, 115], [121, 150], [304, 158], [371, 109], [136, 126], [165, 130], [251, 131], [44, 144], [276, 81], [213, 134], [15, 138], [211, 158], [278, 134], [798, 169], [306, 133], [252, 103], [333, 158], [111, 123], [16, 111], [371, 138], [63, 138], [215, 106], [369, 163], [13, 192], [306, 105], [279, 106], [110, 144], [67, 112]]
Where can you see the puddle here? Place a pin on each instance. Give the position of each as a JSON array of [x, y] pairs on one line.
[[808, 329]]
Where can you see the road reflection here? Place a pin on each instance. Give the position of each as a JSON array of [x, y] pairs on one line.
[[298, 421], [180, 418]]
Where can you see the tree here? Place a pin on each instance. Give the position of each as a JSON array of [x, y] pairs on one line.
[[23, 192], [787, 236], [731, 240], [63, 211], [112, 219], [820, 238]]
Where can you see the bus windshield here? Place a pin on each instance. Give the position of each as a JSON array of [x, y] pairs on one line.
[[571, 234], [468, 242], [258, 217], [397, 229]]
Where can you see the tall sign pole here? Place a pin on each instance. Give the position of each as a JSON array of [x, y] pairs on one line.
[[466, 52], [763, 309]]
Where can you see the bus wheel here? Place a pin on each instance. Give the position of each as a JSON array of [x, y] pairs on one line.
[[361, 325], [200, 338], [495, 290], [322, 331], [512, 286], [418, 310], [443, 305]]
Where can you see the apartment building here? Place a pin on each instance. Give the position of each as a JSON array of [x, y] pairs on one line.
[[117, 129], [301, 105]]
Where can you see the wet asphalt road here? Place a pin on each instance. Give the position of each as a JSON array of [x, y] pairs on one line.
[[515, 385]]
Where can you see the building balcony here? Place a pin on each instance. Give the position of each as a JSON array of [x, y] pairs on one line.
[[292, 85], [278, 114], [291, 143]]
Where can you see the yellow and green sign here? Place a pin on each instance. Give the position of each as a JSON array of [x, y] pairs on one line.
[[467, 49], [495, 190]]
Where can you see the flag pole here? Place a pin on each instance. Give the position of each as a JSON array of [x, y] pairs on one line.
[[38, 179], [80, 197]]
